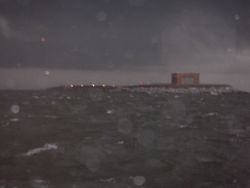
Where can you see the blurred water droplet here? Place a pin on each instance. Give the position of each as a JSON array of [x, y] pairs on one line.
[[14, 119], [46, 72], [229, 50], [110, 111], [211, 114], [43, 39], [237, 17], [53, 102], [15, 109], [101, 16], [121, 142], [139, 180], [39, 183], [183, 126], [214, 93], [125, 126], [35, 97], [108, 180]]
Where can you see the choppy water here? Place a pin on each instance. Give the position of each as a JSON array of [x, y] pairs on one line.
[[124, 138]]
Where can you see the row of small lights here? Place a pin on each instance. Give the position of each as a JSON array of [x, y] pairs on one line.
[[92, 85]]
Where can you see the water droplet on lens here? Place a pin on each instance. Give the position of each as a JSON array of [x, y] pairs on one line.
[[139, 180], [46, 72], [110, 111], [101, 16], [15, 109], [237, 17]]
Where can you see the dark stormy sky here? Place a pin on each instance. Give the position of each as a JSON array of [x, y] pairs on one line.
[[125, 35]]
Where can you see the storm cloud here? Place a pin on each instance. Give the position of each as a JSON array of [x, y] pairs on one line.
[[143, 36]]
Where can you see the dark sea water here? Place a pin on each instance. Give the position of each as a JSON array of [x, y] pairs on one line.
[[95, 137]]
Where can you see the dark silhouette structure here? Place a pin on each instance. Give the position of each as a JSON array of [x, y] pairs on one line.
[[186, 78]]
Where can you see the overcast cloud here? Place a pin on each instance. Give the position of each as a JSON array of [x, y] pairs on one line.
[[149, 37]]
